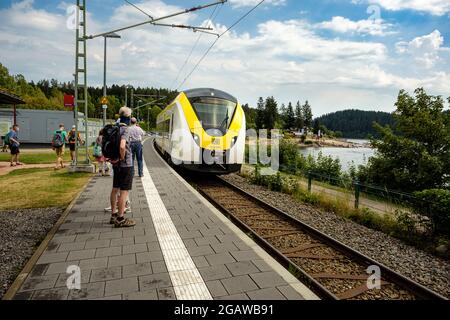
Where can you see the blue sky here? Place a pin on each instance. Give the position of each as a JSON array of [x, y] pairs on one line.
[[337, 54]]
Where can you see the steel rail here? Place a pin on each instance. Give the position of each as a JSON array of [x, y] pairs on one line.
[[388, 274]]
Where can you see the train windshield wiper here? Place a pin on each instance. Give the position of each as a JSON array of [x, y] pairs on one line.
[[224, 123]]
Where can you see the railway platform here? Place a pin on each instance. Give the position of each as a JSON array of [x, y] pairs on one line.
[[181, 248]]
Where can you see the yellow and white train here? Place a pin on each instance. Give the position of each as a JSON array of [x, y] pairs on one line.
[[203, 130]]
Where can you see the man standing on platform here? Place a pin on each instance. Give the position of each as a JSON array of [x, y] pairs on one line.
[[122, 173], [136, 134]]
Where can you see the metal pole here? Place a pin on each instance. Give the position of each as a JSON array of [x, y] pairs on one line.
[[104, 83], [132, 98], [15, 115], [357, 191], [126, 97], [309, 182]]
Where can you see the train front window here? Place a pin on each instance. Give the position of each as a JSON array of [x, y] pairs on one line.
[[214, 113]]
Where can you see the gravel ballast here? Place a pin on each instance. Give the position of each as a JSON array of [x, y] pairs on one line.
[[21, 231], [428, 270]]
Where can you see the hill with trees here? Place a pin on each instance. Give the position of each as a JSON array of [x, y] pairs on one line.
[[357, 124], [49, 95]]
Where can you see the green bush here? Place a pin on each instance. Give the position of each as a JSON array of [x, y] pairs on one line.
[[435, 204], [288, 156], [273, 182], [325, 168], [303, 138]]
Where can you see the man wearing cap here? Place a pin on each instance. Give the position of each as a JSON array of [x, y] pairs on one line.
[[72, 142], [123, 178], [136, 134]]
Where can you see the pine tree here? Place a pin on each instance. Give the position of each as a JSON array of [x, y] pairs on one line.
[[260, 114], [299, 121], [271, 113], [290, 117], [307, 114], [316, 126], [283, 115]]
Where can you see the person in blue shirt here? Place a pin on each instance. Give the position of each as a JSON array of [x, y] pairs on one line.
[[14, 145]]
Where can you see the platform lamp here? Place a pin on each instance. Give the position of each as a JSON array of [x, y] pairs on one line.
[[115, 36]]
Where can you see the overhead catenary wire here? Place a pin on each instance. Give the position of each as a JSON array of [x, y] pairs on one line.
[[212, 17], [135, 6], [172, 25], [217, 40]]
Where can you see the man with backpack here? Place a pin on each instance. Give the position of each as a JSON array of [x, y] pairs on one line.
[[58, 142], [5, 140], [14, 144], [116, 148]]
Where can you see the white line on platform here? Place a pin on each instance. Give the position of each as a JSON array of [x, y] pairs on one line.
[[186, 279]]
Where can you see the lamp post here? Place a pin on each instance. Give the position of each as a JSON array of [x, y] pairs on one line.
[[126, 94], [115, 36], [139, 106]]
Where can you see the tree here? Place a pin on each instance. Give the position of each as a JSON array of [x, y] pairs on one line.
[[316, 127], [270, 113], [153, 115], [283, 115], [307, 114], [357, 124], [299, 121], [259, 120], [290, 117], [415, 154]]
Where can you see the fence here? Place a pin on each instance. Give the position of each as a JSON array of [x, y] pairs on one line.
[[376, 198]]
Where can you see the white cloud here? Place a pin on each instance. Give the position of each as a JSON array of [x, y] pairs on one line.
[[374, 27], [23, 15], [434, 7], [424, 49], [251, 3]]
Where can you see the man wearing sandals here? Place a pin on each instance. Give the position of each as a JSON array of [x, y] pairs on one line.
[[14, 146], [123, 178]]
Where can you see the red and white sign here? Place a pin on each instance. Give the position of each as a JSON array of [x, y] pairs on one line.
[[69, 100]]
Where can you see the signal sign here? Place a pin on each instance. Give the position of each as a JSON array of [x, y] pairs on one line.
[[104, 101]]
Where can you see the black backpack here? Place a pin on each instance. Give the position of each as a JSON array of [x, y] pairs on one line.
[[111, 142]]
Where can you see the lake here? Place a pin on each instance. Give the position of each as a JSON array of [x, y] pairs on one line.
[[345, 155]]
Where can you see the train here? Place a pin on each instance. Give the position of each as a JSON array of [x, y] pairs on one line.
[[203, 130]]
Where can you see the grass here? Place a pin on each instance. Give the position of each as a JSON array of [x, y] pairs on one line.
[[35, 158], [40, 188]]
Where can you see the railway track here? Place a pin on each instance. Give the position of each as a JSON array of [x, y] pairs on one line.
[[328, 267]]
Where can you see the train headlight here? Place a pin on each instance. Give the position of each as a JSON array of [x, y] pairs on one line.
[[233, 141], [196, 139]]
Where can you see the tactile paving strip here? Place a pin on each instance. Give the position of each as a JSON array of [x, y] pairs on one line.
[[186, 279]]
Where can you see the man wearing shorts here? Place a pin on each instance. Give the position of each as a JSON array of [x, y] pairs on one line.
[[60, 149], [123, 178], [14, 146], [73, 139]]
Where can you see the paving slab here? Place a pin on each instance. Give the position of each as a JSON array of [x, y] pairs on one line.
[[180, 248]]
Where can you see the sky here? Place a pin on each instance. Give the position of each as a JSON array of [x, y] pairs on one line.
[[337, 54]]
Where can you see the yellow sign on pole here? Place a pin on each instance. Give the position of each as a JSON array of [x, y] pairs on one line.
[[104, 100]]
